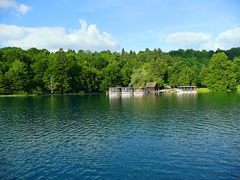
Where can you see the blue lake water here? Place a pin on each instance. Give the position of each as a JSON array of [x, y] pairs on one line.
[[121, 137]]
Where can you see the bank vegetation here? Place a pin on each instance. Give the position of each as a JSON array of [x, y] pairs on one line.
[[38, 71]]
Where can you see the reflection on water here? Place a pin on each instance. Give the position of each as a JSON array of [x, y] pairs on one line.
[[152, 103], [169, 136]]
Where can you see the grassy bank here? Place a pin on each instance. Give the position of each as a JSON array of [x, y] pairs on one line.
[[24, 95], [202, 90], [15, 95], [238, 87]]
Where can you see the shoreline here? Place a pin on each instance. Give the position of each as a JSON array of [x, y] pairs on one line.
[[199, 90]]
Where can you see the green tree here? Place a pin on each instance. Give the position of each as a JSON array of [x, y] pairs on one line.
[[221, 74], [100, 63], [75, 71], [56, 76], [126, 74], [17, 77], [60, 73], [139, 77], [89, 79], [177, 73], [186, 77], [39, 68], [3, 84], [203, 74], [49, 79], [36, 71], [158, 68], [236, 61], [111, 76]]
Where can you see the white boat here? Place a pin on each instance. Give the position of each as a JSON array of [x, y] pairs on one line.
[[127, 90], [140, 91], [186, 89], [114, 90]]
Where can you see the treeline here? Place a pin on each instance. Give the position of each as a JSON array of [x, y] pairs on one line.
[[35, 71]]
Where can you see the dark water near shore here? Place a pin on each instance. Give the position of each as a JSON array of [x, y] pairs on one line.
[[101, 137]]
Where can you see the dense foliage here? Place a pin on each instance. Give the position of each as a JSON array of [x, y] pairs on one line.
[[35, 71]]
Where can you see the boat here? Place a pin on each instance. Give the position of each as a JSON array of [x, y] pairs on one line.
[[127, 90], [140, 91], [186, 89], [114, 90]]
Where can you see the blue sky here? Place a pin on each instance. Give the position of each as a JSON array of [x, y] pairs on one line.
[[98, 25]]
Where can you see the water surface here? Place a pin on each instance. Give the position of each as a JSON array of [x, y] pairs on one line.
[[120, 137]]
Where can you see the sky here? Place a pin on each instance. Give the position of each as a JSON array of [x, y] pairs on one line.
[[98, 25]]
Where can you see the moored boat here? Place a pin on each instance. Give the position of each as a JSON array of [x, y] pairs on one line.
[[186, 89], [140, 91]]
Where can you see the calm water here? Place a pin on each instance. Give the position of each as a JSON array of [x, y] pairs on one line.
[[102, 137]]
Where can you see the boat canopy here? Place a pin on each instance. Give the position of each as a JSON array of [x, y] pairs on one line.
[[187, 87]]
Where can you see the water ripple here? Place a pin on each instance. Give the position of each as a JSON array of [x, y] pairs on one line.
[[94, 137]]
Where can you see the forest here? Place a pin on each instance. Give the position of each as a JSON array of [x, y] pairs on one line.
[[38, 71]]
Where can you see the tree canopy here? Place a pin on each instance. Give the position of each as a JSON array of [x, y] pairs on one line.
[[38, 71]]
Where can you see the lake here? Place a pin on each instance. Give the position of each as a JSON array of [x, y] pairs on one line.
[[170, 136]]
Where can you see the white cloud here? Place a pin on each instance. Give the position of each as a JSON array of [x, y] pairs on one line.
[[230, 38], [211, 46], [12, 4], [225, 40], [188, 39], [53, 38], [9, 32], [23, 8]]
